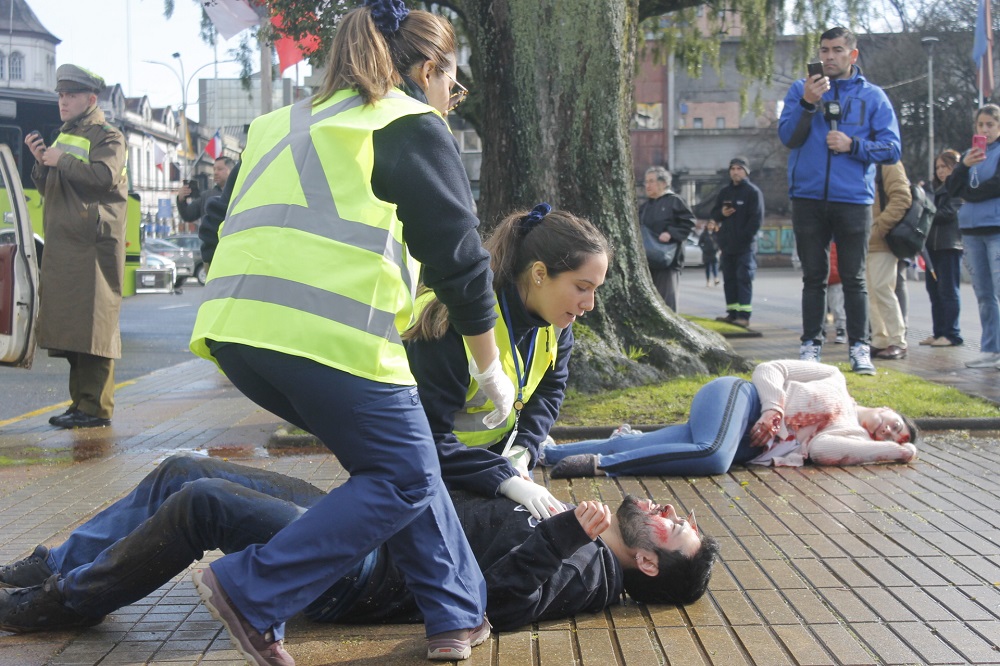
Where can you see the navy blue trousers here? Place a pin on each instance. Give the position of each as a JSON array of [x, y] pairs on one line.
[[713, 439], [394, 496]]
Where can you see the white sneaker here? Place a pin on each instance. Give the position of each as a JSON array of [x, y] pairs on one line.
[[861, 359], [810, 351], [987, 360], [624, 430]]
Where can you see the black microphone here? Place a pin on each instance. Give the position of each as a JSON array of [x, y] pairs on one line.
[[832, 113]]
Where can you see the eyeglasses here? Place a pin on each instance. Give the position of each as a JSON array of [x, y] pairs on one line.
[[457, 96]]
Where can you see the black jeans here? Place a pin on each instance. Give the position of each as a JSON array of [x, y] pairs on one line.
[[815, 223]]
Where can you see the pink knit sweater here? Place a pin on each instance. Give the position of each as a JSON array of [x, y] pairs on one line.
[[819, 418]]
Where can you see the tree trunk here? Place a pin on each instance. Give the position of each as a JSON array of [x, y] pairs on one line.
[[557, 82]]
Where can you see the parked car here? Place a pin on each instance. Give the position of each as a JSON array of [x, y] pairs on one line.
[[183, 258], [193, 243], [692, 253]]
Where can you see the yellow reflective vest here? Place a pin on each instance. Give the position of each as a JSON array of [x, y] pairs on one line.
[[468, 424], [310, 262]]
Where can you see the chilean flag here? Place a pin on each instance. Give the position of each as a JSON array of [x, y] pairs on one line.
[[214, 147]]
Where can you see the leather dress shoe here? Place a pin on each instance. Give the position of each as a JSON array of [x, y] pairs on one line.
[[891, 353], [78, 419], [55, 419]]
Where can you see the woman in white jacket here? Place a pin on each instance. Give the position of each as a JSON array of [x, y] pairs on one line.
[[791, 411]]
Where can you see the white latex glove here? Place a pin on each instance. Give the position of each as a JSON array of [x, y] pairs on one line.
[[498, 388], [531, 496]]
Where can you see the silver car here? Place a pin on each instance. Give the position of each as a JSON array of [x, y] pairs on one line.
[[184, 259], [193, 243]]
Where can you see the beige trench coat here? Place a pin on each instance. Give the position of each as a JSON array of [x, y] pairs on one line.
[[83, 266]]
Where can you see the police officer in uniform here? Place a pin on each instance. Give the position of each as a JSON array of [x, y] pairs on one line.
[[82, 179]]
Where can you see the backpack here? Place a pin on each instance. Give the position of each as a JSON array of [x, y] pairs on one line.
[[906, 239]]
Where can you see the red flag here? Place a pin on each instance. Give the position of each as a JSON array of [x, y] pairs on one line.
[[289, 50]]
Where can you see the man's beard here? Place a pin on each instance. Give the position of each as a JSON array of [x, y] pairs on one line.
[[633, 523]]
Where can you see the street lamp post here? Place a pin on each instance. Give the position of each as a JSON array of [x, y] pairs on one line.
[[185, 85], [929, 43]]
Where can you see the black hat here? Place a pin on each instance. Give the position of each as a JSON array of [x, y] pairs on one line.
[[71, 79], [740, 162]]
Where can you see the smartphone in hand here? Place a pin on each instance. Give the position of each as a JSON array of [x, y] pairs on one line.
[[814, 69], [979, 141]]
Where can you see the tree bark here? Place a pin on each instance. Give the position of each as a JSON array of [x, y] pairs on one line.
[[557, 86]]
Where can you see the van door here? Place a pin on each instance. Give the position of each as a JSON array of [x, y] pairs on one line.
[[18, 270]]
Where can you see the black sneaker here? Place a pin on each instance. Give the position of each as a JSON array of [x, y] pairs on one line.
[[32, 570], [576, 466], [39, 608]]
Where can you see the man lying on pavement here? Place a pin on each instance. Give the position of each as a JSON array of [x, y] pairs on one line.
[[580, 560]]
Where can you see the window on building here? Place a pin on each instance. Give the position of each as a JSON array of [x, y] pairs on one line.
[[698, 123], [3, 65], [16, 66], [720, 123]]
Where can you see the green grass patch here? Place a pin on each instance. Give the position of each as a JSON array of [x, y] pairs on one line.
[[669, 402], [720, 327]]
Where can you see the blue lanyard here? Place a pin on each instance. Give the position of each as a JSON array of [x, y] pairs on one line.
[[522, 378]]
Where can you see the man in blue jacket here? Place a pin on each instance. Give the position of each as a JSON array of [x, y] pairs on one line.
[[838, 127], [580, 560]]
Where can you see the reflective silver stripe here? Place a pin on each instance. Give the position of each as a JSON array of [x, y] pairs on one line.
[[320, 217], [288, 293], [466, 422], [76, 151]]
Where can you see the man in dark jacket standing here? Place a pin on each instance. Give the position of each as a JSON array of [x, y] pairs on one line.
[[671, 221], [838, 127], [576, 561], [191, 206], [83, 181], [739, 210]]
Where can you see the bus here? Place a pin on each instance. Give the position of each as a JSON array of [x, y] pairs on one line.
[[24, 111]]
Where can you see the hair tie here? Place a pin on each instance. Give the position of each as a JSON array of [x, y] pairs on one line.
[[532, 219], [387, 15]]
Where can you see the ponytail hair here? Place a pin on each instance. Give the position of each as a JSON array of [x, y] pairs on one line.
[[560, 240], [376, 45]]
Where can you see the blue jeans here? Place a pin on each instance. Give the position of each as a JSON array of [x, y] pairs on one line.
[[184, 507], [738, 272], [722, 412], [815, 224], [944, 293], [395, 495], [982, 256]]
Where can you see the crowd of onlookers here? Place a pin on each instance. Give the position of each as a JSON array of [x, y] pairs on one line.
[[850, 197]]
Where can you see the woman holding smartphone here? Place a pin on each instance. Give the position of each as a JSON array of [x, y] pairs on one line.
[[976, 180]]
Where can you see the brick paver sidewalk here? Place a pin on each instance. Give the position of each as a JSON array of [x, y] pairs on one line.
[[861, 565]]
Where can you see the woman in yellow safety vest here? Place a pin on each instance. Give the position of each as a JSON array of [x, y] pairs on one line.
[[311, 283], [546, 269]]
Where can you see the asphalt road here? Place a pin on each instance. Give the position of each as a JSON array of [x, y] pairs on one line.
[[155, 333], [156, 329]]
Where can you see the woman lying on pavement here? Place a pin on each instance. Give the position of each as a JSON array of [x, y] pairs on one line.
[[791, 412]]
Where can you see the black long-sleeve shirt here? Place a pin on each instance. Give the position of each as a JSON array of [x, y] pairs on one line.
[[441, 368], [534, 570]]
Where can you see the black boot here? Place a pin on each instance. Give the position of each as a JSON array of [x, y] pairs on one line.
[[32, 570], [39, 608]]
